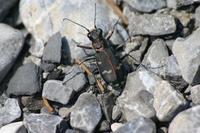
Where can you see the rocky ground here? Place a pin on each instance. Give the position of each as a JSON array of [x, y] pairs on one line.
[[44, 91]]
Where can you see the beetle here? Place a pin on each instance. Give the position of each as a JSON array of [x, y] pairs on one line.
[[109, 66]]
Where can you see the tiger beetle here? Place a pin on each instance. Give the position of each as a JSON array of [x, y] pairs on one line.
[[109, 66]]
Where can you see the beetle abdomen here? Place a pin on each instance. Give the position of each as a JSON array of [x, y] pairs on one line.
[[108, 65]]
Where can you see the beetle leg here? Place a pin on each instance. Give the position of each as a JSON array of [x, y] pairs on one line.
[[85, 47], [110, 33], [87, 70]]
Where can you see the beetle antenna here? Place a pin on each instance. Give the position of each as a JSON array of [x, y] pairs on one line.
[[95, 15], [76, 24]]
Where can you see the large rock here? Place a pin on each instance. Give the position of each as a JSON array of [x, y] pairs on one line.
[[73, 75], [139, 125], [37, 123], [145, 24], [186, 121], [52, 50], [136, 99], [146, 5], [86, 113], [9, 111], [187, 53], [167, 101], [195, 94], [11, 43], [178, 3], [156, 54], [5, 7], [25, 81], [45, 18], [54, 90], [16, 127], [197, 16]]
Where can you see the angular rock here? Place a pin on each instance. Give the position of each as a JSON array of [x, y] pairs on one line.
[[187, 53], [186, 121], [25, 81], [43, 19], [171, 67], [104, 126], [171, 71], [116, 113], [137, 81], [195, 94], [136, 49], [86, 113], [72, 76], [9, 111], [197, 16], [5, 7], [156, 53], [16, 127], [139, 125], [64, 112], [167, 101], [52, 50], [116, 126], [35, 123], [178, 3], [145, 24], [54, 90], [139, 105], [147, 5], [11, 43]]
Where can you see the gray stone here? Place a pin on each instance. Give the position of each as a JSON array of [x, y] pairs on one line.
[[43, 19], [116, 113], [64, 112], [186, 121], [11, 43], [171, 67], [169, 44], [72, 76], [54, 90], [135, 48], [9, 111], [155, 55], [25, 81], [187, 53], [86, 113], [145, 24], [183, 16], [147, 5], [116, 126], [5, 7], [52, 50], [195, 94], [178, 3], [137, 81], [104, 126], [197, 17], [167, 101], [35, 123], [171, 72], [139, 105], [139, 125], [16, 127]]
